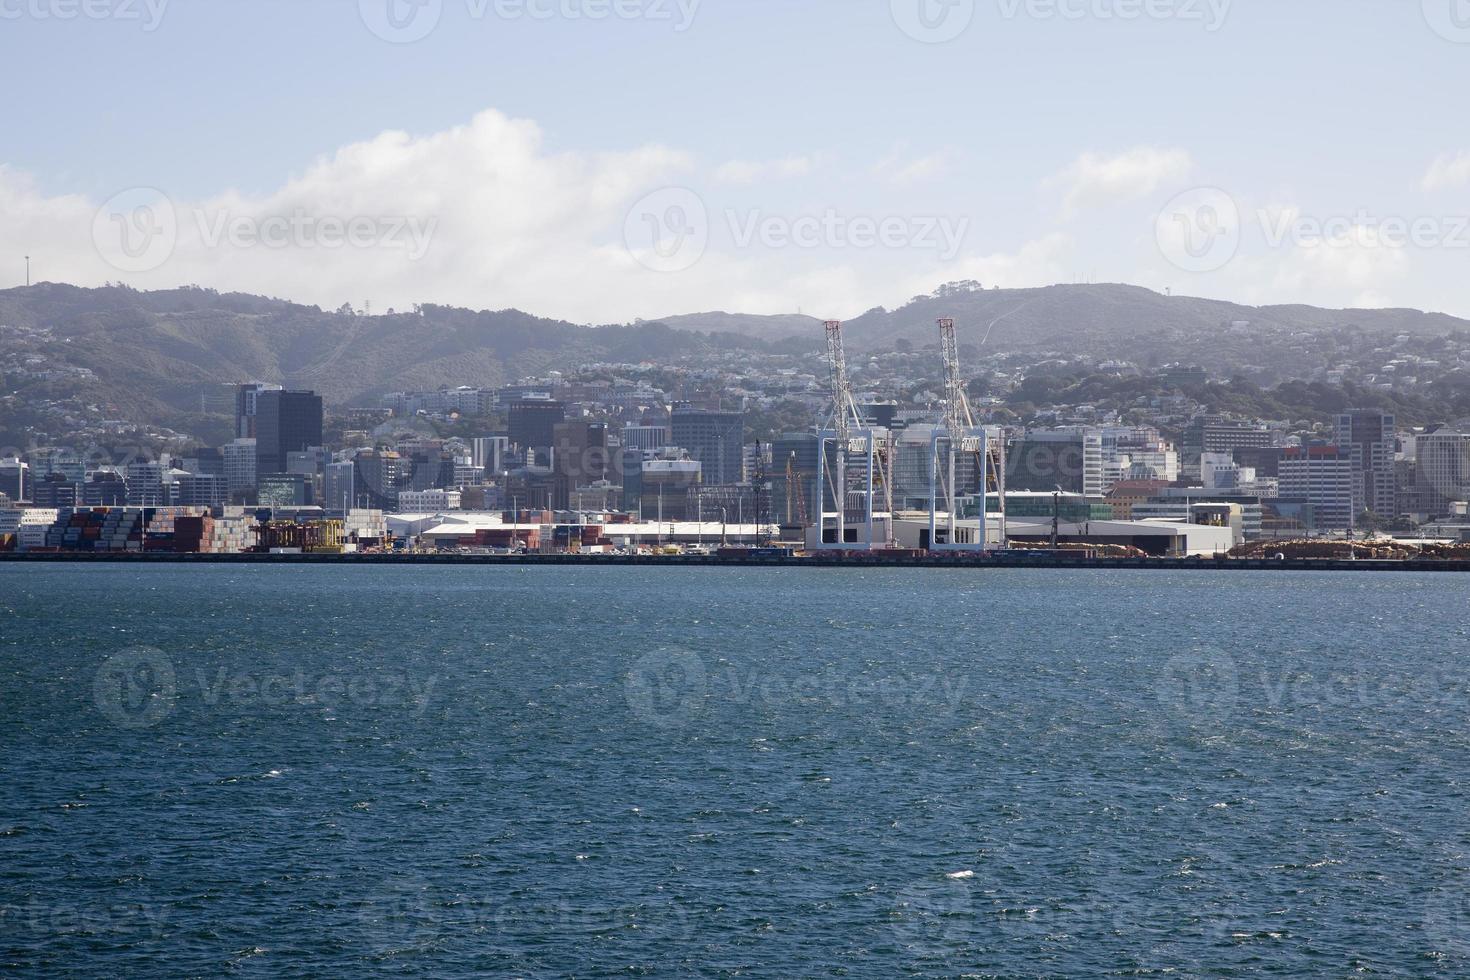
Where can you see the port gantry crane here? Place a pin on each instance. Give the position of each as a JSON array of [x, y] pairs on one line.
[[962, 437], [849, 434]]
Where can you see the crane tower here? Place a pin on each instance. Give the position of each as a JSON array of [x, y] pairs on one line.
[[961, 438], [848, 437]]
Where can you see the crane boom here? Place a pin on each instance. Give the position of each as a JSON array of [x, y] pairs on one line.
[[844, 407], [957, 412]]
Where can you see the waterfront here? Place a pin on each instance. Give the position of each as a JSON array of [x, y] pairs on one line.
[[548, 771]]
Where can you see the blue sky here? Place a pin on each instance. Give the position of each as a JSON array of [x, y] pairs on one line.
[[1047, 137]]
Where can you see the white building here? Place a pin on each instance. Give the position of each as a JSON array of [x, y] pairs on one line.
[[239, 465], [1442, 468], [428, 501]]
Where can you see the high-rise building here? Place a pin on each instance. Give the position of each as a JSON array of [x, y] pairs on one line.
[[198, 490], [239, 465], [532, 423], [285, 490], [67, 462], [579, 458], [246, 396], [1371, 438], [1442, 468], [645, 437], [147, 484], [1225, 437], [913, 468], [715, 439], [55, 490], [656, 483], [105, 488], [490, 453], [339, 490], [205, 460], [1043, 460], [15, 478], [377, 480], [1323, 476], [794, 453], [285, 422]]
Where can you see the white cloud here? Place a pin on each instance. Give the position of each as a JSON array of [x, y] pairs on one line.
[[485, 217], [1095, 178], [753, 171], [903, 169], [1448, 172], [479, 215]]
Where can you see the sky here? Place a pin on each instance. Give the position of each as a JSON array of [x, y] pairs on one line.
[[610, 160]]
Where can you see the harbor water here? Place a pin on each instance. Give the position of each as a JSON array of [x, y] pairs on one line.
[[662, 772]]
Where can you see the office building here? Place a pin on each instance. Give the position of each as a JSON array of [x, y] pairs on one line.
[[491, 454], [428, 501], [239, 465], [15, 476], [198, 490], [246, 402], [1225, 437], [1323, 476], [645, 437], [1442, 470], [105, 488], [147, 484], [285, 422], [285, 490], [1071, 459], [378, 478], [55, 490], [1371, 438], [532, 423], [715, 439], [656, 484], [794, 477], [339, 489], [579, 458]]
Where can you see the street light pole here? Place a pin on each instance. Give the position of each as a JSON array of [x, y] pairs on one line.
[[1056, 518]]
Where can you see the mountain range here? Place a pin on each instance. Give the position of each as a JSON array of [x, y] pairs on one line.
[[147, 355]]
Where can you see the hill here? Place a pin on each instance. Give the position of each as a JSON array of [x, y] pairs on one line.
[[117, 353]]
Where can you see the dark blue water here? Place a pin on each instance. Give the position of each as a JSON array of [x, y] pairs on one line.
[[766, 773]]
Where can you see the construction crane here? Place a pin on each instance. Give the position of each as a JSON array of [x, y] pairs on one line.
[[851, 435], [964, 437], [844, 414], [762, 498], [794, 485]]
